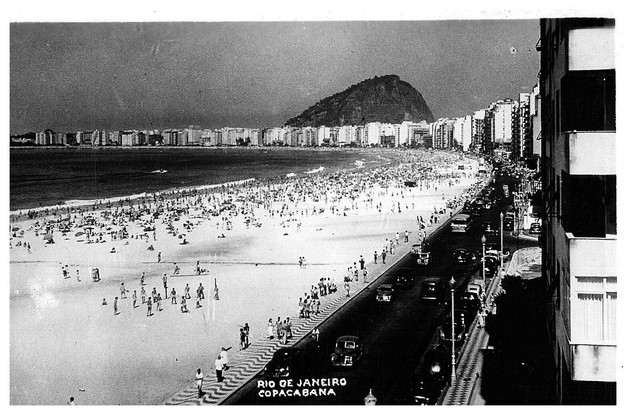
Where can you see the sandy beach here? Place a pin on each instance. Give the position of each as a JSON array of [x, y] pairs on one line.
[[64, 342]]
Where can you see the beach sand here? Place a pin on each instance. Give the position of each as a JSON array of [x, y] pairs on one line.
[[64, 343]]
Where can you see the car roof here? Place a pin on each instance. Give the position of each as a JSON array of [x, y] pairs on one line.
[[388, 286], [347, 338]]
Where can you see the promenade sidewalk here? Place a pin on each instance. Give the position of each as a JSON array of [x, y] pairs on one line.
[[251, 361]]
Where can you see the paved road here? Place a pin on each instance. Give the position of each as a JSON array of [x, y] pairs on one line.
[[394, 335]]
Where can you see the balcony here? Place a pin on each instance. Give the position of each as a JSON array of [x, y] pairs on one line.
[[591, 49], [593, 362], [592, 256], [582, 157]]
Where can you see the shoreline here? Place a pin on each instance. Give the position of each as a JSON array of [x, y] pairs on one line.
[[328, 221], [89, 202]]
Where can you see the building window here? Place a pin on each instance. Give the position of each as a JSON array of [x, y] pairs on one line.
[[589, 101], [595, 317]]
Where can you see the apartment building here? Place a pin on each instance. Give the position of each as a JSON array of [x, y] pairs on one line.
[[579, 238]]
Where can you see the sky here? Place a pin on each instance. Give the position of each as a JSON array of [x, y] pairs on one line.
[[155, 75]]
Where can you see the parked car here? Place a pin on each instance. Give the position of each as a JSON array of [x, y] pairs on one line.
[[461, 259], [469, 303], [287, 362], [385, 293], [431, 376], [535, 229], [347, 351], [459, 328]]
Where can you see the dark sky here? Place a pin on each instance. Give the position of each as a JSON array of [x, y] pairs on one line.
[[72, 76]]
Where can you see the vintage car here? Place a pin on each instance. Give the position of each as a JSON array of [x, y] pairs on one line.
[[404, 278], [420, 252], [535, 229], [347, 352], [287, 362], [459, 328], [433, 290], [489, 228], [385, 293], [431, 376]]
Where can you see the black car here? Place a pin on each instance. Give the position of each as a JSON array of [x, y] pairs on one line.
[[459, 328], [404, 278], [461, 259], [489, 228], [287, 362], [347, 351], [431, 376], [469, 304], [433, 290], [384, 293], [535, 229]]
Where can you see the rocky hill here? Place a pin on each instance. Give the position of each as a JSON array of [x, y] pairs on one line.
[[385, 99]]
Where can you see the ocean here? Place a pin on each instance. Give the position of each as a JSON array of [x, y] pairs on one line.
[[51, 176]]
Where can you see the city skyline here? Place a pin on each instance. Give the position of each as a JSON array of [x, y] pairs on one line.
[[74, 76]]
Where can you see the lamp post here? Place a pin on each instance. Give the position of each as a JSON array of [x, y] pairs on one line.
[[484, 241], [452, 284], [501, 238]]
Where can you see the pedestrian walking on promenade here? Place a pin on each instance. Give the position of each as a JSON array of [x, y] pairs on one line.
[[243, 339], [347, 288], [115, 307], [270, 329], [219, 368], [406, 237], [361, 262], [288, 331], [149, 307], [135, 298], [397, 238], [199, 379], [224, 358], [384, 256], [364, 274], [375, 257]]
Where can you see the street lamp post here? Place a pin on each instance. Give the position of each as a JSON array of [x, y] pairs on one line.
[[484, 241], [452, 284], [501, 239]]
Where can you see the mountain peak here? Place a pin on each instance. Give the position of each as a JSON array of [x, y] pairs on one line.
[[385, 99]]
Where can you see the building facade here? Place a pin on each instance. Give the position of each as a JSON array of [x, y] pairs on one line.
[[577, 88]]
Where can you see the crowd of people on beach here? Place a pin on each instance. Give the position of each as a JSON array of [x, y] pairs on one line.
[[286, 202]]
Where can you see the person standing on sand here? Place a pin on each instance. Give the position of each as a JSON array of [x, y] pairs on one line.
[[158, 302], [173, 296], [176, 270], [78, 275], [135, 298], [115, 307], [142, 279], [164, 283], [123, 291], [149, 307], [187, 291], [159, 260], [143, 295]]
